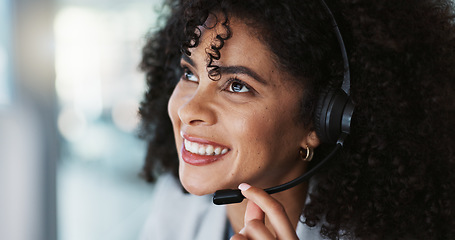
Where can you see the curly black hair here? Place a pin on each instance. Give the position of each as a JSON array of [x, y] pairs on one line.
[[393, 178]]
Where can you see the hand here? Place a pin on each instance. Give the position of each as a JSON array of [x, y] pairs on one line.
[[259, 205]]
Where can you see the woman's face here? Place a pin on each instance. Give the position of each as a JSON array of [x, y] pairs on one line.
[[243, 127]]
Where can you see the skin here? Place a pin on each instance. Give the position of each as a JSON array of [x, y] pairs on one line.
[[254, 116]]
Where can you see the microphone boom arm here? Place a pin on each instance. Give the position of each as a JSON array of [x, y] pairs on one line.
[[228, 196]]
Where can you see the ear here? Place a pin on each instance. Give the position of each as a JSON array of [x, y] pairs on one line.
[[311, 140]]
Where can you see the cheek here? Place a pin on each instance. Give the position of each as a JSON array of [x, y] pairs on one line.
[[253, 134], [173, 106], [266, 149], [270, 133]]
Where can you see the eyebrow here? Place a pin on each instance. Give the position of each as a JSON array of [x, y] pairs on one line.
[[242, 70], [231, 70], [187, 59]]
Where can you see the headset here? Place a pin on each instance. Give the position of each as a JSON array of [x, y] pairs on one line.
[[332, 122]]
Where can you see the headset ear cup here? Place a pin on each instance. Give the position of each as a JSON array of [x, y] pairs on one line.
[[333, 115], [320, 114]]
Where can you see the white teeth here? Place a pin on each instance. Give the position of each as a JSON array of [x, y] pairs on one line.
[[217, 151], [194, 147], [209, 150], [203, 149], [187, 145]]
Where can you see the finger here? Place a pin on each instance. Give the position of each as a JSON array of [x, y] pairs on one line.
[[256, 229], [238, 236], [272, 208], [253, 212]]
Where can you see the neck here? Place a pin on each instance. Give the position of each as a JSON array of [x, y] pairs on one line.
[[293, 201]]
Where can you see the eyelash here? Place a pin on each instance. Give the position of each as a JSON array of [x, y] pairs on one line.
[[231, 81], [186, 71]]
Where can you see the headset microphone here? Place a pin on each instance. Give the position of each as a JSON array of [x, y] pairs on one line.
[[332, 124]]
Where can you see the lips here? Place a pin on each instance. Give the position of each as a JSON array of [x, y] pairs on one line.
[[200, 152]]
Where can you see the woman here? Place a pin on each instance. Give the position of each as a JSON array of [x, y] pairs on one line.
[[240, 82]]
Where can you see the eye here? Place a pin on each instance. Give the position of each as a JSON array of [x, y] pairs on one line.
[[237, 86], [189, 76]]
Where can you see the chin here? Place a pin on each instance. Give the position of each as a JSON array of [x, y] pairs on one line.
[[203, 180], [197, 191], [200, 184], [197, 188], [197, 183]]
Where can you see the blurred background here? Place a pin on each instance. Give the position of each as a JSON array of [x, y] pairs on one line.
[[69, 93]]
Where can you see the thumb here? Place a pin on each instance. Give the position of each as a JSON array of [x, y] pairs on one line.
[[253, 212]]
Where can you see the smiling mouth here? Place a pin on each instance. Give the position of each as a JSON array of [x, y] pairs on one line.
[[204, 149]]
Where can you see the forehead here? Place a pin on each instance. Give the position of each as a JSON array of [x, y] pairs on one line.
[[244, 47], [242, 36]]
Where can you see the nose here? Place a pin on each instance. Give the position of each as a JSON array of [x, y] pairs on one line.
[[198, 109]]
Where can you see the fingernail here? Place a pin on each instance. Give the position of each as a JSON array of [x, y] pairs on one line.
[[244, 186]]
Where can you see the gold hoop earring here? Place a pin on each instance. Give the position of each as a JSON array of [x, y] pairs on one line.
[[306, 155]]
